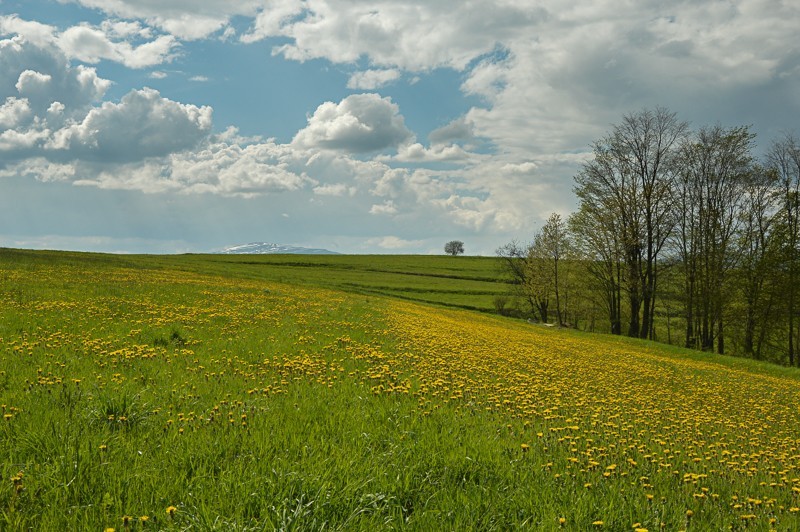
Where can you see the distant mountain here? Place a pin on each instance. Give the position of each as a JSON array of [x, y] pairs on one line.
[[264, 248]]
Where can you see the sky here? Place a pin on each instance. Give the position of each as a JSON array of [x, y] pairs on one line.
[[151, 126]]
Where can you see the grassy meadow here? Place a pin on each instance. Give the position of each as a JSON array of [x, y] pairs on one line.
[[305, 393]]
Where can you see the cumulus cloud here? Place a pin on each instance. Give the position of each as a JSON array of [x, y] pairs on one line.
[[13, 112], [43, 75], [220, 168], [372, 79], [361, 123], [92, 44], [143, 124]]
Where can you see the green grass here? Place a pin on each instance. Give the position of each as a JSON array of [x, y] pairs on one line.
[[244, 392]]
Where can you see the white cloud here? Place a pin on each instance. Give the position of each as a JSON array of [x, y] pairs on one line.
[[334, 189], [42, 74], [13, 112], [394, 242], [458, 129], [30, 82], [185, 19], [92, 44], [360, 123], [387, 207], [372, 79], [142, 125], [412, 36], [417, 153]]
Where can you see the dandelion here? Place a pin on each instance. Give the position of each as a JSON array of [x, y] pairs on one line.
[[144, 519], [171, 511], [598, 523], [525, 447]]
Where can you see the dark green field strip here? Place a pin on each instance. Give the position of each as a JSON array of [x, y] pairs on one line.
[[459, 282], [422, 290]]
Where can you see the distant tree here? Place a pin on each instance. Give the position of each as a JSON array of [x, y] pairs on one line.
[[454, 247], [550, 246], [525, 277]]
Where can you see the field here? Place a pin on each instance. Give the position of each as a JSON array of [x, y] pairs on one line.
[[242, 393]]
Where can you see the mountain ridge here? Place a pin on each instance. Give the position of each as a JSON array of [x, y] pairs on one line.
[[268, 248]]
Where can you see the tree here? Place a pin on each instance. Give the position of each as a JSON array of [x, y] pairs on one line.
[[454, 247], [596, 242], [784, 158], [526, 278], [711, 193], [759, 253], [550, 246], [629, 179]]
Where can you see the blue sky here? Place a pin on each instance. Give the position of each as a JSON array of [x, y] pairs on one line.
[[361, 127]]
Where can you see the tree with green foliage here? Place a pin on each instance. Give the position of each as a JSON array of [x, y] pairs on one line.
[[784, 158], [526, 278], [629, 179], [550, 247], [714, 171], [454, 247]]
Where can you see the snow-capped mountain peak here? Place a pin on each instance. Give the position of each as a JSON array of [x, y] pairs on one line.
[[265, 248]]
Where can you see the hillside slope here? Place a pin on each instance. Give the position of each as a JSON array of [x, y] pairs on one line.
[[138, 387]]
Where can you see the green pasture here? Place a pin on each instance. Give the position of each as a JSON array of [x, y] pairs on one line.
[[213, 392]]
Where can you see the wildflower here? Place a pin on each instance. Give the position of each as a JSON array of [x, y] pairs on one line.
[[143, 519], [689, 514], [525, 447], [598, 523], [171, 511], [562, 521]]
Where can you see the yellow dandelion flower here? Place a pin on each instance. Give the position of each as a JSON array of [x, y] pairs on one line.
[[171, 511]]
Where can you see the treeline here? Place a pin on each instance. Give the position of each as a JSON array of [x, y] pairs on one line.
[[678, 231]]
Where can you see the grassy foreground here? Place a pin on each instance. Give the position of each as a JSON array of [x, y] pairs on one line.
[[182, 392]]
